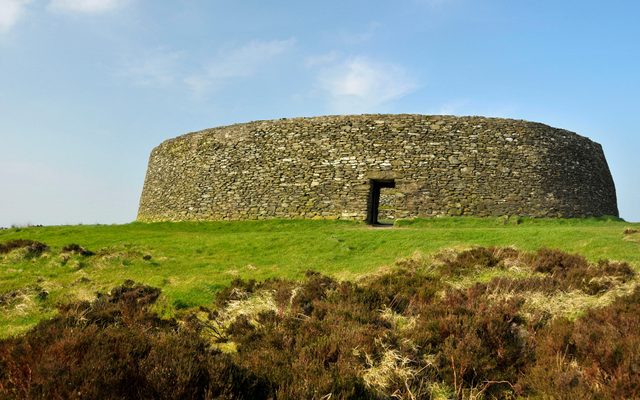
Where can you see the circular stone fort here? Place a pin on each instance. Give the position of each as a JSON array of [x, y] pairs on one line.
[[377, 167]]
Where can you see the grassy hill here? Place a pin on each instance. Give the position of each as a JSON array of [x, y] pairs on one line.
[[192, 261], [447, 308]]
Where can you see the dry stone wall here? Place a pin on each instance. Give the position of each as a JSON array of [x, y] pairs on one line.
[[321, 167]]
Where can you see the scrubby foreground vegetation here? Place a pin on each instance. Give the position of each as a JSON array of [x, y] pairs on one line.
[[480, 323], [191, 261]]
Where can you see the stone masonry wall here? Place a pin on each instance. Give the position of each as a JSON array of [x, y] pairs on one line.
[[321, 167]]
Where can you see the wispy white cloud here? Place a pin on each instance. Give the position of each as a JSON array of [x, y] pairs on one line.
[[361, 85], [10, 13], [86, 6], [240, 62]]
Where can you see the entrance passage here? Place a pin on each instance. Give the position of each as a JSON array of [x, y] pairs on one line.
[[374, 198]]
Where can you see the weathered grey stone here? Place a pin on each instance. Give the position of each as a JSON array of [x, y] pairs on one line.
[[320, 168]]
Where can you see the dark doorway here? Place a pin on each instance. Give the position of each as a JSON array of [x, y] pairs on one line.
[[373, 204]]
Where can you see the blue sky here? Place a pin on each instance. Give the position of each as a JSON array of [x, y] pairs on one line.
[[89, 87]]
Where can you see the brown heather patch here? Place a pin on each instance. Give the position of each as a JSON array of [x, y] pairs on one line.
[[114, 348], [30, 248], [542, 325]]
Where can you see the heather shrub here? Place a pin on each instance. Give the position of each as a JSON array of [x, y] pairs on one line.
[[472, 340], [597, 356], [75, 248], [237, 290], [115, 348], [240, 289], [403, 289], [556, 262], [403, 334], [572, 272], [313, 290], [33, 248], [10, 245], [308, 352], [337, 335], [471, 260]]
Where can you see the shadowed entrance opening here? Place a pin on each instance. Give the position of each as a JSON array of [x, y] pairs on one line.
[[373, 204]]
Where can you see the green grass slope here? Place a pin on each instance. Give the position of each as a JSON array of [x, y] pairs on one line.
[[191, 261]]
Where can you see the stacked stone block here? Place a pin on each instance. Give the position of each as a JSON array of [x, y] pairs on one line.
[[321, 167]]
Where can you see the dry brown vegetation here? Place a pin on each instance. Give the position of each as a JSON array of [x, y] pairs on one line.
[[31, 248], [481, 323]]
